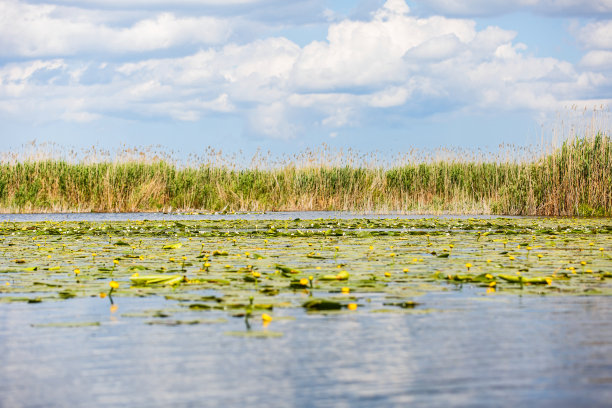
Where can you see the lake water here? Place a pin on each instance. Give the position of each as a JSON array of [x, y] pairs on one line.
[[288, 215], [465, 349]]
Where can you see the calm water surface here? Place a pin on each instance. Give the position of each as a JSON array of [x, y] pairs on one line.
[[288, 215], [469, 350]]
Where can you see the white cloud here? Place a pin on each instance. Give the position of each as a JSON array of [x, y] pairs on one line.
[[393, 61], [370, 53], [43, 30], [596, 35], [597, 60]]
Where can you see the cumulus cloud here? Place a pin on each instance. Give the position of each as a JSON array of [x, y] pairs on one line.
[[391, 61], [46, 30], [596, 35]]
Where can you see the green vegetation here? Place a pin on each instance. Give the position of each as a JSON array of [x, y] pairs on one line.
[[575, 179], [255, 270]]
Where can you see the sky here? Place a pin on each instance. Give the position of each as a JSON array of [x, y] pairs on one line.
[[285, 76]]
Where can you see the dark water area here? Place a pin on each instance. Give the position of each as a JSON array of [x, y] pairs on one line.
[[470, 351]]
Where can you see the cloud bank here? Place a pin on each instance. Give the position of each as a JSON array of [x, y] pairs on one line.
[[75, 65]]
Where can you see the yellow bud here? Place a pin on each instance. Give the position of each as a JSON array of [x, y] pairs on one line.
[[345, 290], [352, 306], [113, 285]]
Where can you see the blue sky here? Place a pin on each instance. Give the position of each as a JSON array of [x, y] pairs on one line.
[[286, 76]]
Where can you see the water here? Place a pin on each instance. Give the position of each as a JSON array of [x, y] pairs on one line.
[[509, 351], [288, 215], [464, 349]]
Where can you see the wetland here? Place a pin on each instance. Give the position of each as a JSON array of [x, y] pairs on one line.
[[288, 309]]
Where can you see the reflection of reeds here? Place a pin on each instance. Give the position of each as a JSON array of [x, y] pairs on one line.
[[574, 178]]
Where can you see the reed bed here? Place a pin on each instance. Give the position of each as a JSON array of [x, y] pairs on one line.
[[574, 179]]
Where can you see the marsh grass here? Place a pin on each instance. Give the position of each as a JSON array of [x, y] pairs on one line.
[[573, 178]]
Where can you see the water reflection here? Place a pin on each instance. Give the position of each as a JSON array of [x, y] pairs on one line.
[[289, 215], [473, 351]]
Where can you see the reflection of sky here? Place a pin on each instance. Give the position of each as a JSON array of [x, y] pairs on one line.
[[474, 351], [290, 215]]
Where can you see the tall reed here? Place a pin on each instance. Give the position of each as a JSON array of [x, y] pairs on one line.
[[574, 179]]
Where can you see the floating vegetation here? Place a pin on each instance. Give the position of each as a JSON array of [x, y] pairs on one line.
[[265, 271]]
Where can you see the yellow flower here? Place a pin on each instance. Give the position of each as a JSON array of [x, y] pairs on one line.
[[489, 276], [135, 275], [468, 266], [406, 270], [352, 306], [492, 284], [548, 281], [304, 281], [388, 274], [488, 261], [116, 261], [77, 271], [583, 263], [345, 290], [266, 317], [256, 274], [113, 284]]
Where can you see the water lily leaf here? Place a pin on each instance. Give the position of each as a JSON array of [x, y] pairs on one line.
[[322, 304], [156, 280], [175, 245]]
